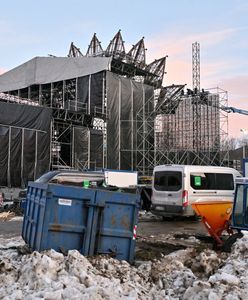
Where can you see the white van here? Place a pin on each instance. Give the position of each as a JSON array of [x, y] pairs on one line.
[[175, 187]]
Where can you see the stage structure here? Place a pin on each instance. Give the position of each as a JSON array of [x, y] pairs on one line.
[[94, 100], [109, 109], [191, 128]]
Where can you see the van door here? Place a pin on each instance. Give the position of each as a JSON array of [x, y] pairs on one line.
[[168, 188]]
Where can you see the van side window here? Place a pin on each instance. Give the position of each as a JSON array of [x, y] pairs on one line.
[[211, 181], [167, 181], [224, 182]]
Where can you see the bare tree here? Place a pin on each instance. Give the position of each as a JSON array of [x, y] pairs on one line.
[[231, 144]]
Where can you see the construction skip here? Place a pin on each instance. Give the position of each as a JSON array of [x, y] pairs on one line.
[[92, 221]]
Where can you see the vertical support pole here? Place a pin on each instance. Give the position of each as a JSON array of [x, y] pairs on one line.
[[36, 154], [144, 130], [105, 117], [8, 178], [88, 148], [52, 139], [132, 127], [89, 95], [40, 94], [22, 158], [106, 123], [73, 148], [76, 96], [119, 123], [63, 95], [103, 94], [51, 97]]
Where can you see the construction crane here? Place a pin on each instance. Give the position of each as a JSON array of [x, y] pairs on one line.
[[230, 109]]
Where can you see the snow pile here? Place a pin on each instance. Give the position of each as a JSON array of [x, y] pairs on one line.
[[51, 275], [147, 216], [229, 282], [184, 274]]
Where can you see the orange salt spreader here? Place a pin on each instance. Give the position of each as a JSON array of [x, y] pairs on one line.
[[215, 215]]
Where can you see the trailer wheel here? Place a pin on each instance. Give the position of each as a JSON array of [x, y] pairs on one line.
[[227, 246]]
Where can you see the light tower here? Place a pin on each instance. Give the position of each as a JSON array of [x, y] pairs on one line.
[[196, 67]]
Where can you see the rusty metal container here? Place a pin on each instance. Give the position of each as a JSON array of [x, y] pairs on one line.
[[92, 221]]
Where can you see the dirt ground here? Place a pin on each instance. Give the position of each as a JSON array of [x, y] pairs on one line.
[[157, 226], [155, 237], [146, 227]]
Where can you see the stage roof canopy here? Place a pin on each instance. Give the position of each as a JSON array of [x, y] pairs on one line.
[[42, 70]]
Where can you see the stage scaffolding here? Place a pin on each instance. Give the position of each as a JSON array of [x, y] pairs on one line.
[[121, 101], [167, 127], [188, 129]]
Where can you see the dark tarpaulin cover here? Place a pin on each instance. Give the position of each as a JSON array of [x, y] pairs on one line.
[[16, 155], [81, 141], [4, 146], [24, 143], [90, 91], [43, 153], [88, 148], [96, 92], [96, 149], [26, 116], [128, 101], [113, 146], [126, 124], [83, 90], [29, 154]]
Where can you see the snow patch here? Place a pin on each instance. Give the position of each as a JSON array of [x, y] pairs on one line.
[[184, 274]]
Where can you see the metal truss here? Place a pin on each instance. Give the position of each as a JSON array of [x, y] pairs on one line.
[[16, 99], [73, 118], [116, 47], [169, 99], [131, 64], [74, 51], [196, 66], [156, 68], [95, 48], [137, 55]]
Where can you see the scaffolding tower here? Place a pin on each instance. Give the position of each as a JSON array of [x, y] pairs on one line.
[[196, 67], [188, 129]]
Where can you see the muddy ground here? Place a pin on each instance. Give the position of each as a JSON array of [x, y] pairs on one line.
[[155, 237]]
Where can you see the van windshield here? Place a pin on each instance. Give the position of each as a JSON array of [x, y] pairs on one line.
[[167, 181], [211, 181]]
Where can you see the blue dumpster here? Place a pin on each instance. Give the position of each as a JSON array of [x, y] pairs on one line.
[[92, 221]]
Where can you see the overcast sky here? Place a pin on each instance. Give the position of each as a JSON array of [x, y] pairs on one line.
[[38, 28]]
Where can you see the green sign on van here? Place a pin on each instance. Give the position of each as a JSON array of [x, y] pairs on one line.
[[86, 183], [197, 180]]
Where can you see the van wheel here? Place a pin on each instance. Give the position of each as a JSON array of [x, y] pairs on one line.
[[227, 246]]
